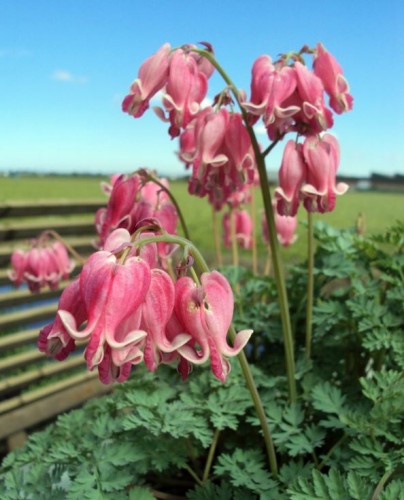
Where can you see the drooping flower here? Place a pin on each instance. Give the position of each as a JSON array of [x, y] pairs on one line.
[[315, 117], [46, 263], [54, 340], [185, 90], [112, 293], [206, 312], [292, 175], [151, 78], [157, 310], [321, 155], [285, 226], [329, 70], [242, 227], [271, 85]]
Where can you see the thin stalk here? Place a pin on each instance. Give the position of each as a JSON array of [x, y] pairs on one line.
[[151, 178], [233, 236], [254, 231], [310, 283], [273, 240], [331, 451], [216, 234], [71, 250], [211, 455], [245, 367], [267, 270], [193, 474], [381, 484], [269, 445]]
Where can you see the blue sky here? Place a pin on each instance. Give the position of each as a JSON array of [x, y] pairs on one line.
[[65, 66]]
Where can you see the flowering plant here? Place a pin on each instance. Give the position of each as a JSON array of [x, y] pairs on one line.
[[147, 295]]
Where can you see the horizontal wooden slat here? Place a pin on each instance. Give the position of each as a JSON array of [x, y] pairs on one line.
[[46, 207], [53, 368], [13, 319], [18, 360], [32, 229], [17, 339], [17, 297], [44, 409], [42, 392]]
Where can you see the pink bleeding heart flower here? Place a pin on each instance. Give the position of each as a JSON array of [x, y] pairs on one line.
[[37, 266], [285, 229], [243, 228], [112, 293], [18, 263], [107, 187], [152, 77], [291, 178], [157, 310], [120, 204], [206, 312], [329, 70], [185, 90], [175, 328], [271, 86], [315, 116], [64, 265], [322, 158], [54, 340]]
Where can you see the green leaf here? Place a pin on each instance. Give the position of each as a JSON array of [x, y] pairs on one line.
[[328, 398], [139, 493], [246, 469], [358, 487]]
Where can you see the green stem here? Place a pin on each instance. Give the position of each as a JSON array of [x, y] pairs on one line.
[[72, 251], [331, 451], [310, 283], [254, 231], [211, 454], [381, 484], [151, 178], [273, 240], [193, 474], [245, 368], [233, 236], [216, 234]]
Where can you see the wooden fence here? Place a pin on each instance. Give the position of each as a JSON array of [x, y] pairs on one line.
[[34, 388]]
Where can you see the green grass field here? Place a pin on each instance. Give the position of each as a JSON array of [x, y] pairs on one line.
[[379, 209]]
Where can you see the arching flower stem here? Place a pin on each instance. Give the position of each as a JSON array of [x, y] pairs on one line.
[[273, 240]]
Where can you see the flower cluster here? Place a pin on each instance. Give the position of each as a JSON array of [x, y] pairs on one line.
[[133, 199], [291, 98], [130, 311], [46, 263], [213, 141], [308, 173], [182, 76]]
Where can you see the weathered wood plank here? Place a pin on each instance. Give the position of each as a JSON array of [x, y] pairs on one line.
[[17, 339], [18, 360], [54, 207], [32, 229], [53, 368], [27, 416], [17, 297], [13, 319]]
